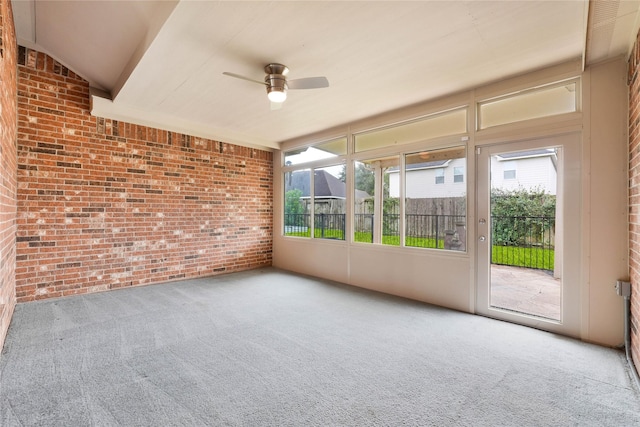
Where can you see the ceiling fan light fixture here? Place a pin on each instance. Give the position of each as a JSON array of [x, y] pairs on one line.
[[276, 87], [276, 94]]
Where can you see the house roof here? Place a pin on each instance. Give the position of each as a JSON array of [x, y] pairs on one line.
[[422, 165], [160, 63], [326, 185], [527, 154]]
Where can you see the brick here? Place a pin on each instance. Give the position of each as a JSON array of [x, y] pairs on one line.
[[106, 204]]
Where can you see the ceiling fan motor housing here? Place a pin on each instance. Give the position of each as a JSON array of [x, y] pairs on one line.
[[275, 68], [276, 82], [275, 78]]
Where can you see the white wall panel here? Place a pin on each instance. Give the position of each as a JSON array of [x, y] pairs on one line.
[[607, 206], [424, 275]]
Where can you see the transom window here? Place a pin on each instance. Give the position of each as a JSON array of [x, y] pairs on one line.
[[548, 100], [453, 122], [324, 150]]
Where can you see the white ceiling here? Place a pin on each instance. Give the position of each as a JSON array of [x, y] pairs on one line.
[[161, 62]]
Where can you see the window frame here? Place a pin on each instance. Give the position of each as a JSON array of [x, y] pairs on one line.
[[486, 101], [402, 151], [429, 216], [314, 201], [379, 200]]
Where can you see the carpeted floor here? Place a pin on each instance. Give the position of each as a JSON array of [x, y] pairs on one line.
[[269, 348]]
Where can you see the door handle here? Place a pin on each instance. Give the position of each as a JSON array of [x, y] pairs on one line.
[[482, 238]]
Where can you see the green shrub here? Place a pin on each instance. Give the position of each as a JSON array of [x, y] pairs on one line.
[[522, 217]]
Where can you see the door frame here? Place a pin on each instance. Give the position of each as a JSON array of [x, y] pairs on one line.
[[569, 183]]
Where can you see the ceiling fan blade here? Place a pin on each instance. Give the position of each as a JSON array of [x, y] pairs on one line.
[[276, 105], [308, 83], [238, 76]]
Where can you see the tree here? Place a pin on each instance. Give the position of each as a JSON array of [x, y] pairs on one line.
[[293, 207], [365, 178]]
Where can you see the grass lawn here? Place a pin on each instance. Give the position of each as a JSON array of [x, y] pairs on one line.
[[539, 258], [542, 259], [328, 234], [417, 242]]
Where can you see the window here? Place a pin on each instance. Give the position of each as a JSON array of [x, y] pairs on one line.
[[376, 202], [545, 101], [509, 170], [458, 174], [297, 221], [364, 191], [329, 197], [453, 122], [324, 150], [435, 215], [315, 195]]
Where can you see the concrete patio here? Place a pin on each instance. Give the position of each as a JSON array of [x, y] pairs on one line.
[[525, 290]]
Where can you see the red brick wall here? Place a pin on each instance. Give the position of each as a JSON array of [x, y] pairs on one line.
[[105, 204], [634, 199], [8, 124]]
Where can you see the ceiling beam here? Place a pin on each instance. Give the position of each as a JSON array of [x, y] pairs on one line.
[[102, 106]]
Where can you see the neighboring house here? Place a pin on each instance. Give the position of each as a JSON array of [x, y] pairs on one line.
[[326, 185], [441, 178], [535, 169], [447, 178]]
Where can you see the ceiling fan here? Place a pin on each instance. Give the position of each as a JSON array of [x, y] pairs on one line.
[[277, 84]]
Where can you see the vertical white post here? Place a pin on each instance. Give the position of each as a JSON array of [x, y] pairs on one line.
[[377, 204]]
